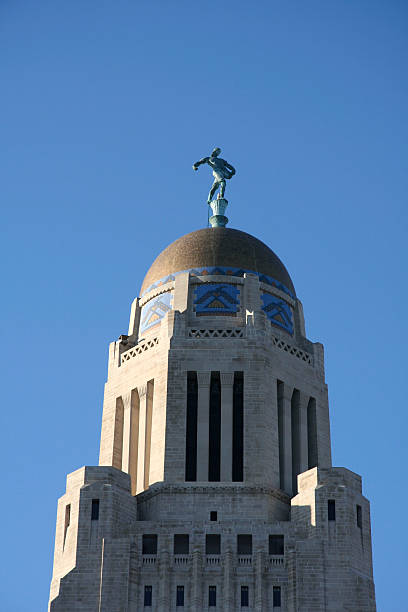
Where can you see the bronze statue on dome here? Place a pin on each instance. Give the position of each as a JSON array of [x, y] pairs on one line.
[[222, 171]]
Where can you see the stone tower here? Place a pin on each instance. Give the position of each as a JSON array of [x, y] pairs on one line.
[[215, 487]]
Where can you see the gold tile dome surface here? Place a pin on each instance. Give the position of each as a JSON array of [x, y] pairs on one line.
[[217, 247]]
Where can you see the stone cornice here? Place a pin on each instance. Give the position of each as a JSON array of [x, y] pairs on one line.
[[199, 488]]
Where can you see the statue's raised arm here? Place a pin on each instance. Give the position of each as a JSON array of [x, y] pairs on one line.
[[204, 160], [222, 171]]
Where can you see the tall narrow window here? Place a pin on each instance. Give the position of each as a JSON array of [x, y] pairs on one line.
[[212, 596], [295, 427], [277, 597], [279, 392], [67, 521], [214, 450], [359, 517], [118, 435], [312, 455], [331, 509], [148, 442], [191, 427], [238, 428], [244, 597], [95, 510], [148, 596], [180, 596]]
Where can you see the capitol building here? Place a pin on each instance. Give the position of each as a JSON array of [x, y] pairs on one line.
[[215, 488]]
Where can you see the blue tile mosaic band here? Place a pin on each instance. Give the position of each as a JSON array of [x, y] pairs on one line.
[[154, 310], [212, 298], [221, 271], [278, 312]]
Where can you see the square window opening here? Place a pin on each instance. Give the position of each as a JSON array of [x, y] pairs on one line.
[[244, 544], [212, 544], [276, 544], [149, 544], [181, 544]]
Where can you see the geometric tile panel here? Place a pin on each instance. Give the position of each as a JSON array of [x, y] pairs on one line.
[[214, 298], [222, 271], [154, 310], [292, 350], [236, 332], [278, 312], [139, 349]]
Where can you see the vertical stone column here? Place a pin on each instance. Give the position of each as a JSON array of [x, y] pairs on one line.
[[228, 590], [164, 577], [203, 417], [130, 436], [142, 438], [286, 438], [148, 434], [197, 586], [227, 384], [180, 296], [134, 318], [303, 441], [117, 453], [251, 293], [126, 397], [258, 581]]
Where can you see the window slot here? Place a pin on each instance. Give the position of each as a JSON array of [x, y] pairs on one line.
[[180, 596], [148, 596], [331, 510], [277, 597], [212, 596], [95, 510], [244, 597]]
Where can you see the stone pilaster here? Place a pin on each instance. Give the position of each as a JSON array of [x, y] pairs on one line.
[[142, 390], [303, 440], [203, 418], [286, 439], [228, 587], [227, 383], [164, 577], [134, 318], [197, 585], [258, 575]]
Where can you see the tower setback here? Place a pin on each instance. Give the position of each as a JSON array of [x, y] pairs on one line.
[[215, 487]]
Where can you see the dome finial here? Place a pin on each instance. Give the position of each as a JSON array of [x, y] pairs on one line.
[[222, 171]]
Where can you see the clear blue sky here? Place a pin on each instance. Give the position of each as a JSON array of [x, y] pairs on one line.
[[104, 107]]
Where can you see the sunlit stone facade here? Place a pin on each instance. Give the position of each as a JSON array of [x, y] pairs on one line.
[[215, 488]]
